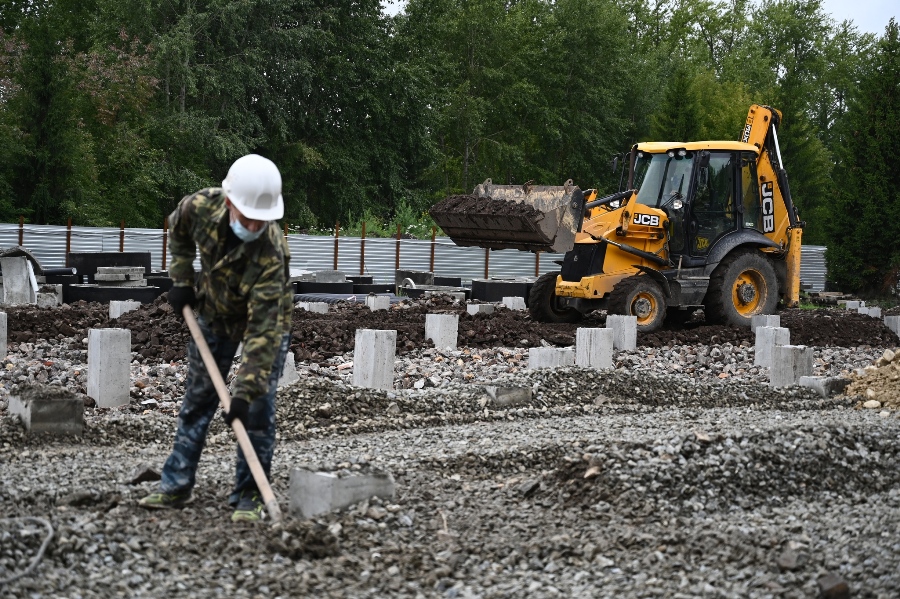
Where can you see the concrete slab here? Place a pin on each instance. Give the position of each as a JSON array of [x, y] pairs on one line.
[[289, 372], [789, 363], [108, 372], [117, 307], [764, 320], [378, 302], [506, 397], [826, 386], [330, 276], [459, 296], [315, 493], [314, 307], [48, 409], [514, 302], [443, 330], [19, 283], [852, 305], [550, 357], [624, 331], [767, 338], [594, 348], [373, 358], [135, 272], [474, 309]]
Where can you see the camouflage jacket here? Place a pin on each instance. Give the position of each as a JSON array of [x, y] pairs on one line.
[[243, 294]]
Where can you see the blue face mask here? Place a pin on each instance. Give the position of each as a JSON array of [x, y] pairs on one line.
[[245, 234]]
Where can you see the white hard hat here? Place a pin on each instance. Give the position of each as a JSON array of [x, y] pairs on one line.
[[253, 185]]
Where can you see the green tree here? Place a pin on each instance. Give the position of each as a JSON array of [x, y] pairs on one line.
[[863, 255]]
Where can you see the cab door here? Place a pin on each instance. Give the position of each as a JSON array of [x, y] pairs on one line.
[[715, 205]]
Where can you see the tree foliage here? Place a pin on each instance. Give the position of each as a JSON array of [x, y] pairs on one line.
[[112, 110]]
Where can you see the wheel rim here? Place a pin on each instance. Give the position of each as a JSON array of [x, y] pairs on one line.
[[748, 292], [645, 307]]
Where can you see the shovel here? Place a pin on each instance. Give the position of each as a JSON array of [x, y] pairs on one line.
[[240, 432]]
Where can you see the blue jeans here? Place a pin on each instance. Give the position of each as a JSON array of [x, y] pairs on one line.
[[198, 408]]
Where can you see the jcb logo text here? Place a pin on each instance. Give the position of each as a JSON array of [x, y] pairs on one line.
[[768, 208], [650, 220]]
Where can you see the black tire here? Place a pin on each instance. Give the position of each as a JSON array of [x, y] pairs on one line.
[[639, 296], [743, 285], [542, 302]]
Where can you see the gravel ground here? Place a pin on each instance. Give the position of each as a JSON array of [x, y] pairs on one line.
[[678, 474]]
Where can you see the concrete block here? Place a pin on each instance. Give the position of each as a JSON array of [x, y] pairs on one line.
[[47, 300], [118, 308], [19, 283], [378, 302], [48, 409], [474, 309], [315, 493], [108, 373], [893, 323], [373, 358], [764, 320], [330, 276], [789, 363], [3, 334], [550, 357], [624, 331], [514, 302], [826, 386], [416, 277], [289, 372], [874, 312], [314, 307], [442, 329], [852, 305], [767, 338], [506, 397], [594, 348]]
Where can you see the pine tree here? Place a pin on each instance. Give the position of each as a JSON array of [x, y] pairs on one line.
[[863, 254]]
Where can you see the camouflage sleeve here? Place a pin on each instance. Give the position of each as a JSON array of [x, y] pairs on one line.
[[182, 247], [265, 326]]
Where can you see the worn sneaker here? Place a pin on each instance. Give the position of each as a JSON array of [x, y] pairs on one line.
[[162, 501], [249, 508]]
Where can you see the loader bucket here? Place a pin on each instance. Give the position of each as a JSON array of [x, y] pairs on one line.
[[535, 218]]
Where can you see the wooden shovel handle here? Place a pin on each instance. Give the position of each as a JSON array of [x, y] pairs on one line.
[[259, 476]]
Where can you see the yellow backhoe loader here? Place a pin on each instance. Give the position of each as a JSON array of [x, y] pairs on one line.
[[705, 224]]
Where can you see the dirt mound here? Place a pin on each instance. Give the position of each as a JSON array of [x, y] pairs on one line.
[[880, 383]]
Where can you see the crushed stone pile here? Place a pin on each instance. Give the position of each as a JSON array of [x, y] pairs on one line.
[[878, 383]]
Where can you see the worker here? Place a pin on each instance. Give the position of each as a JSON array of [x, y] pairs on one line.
[[242, 296]]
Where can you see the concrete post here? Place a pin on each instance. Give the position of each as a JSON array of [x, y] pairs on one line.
[[789, 363], [289, 372], [109, 356], [3, 333], [378, 302], [624, 331], [117, 308], [893, 323], [764, 320], [550, 357], [45, 409], [373, 358], [19, 283], [315, 307], [767, 338], [442, 329], [594, 348], [474, 309], [514, 302]]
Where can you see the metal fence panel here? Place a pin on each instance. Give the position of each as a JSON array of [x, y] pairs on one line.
[[312, 252]]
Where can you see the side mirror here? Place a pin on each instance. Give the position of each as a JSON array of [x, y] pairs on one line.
[[703, 161], [703, 177], [615, 163]]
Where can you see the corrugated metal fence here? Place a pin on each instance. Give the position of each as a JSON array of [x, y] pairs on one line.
[[312, 252]]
